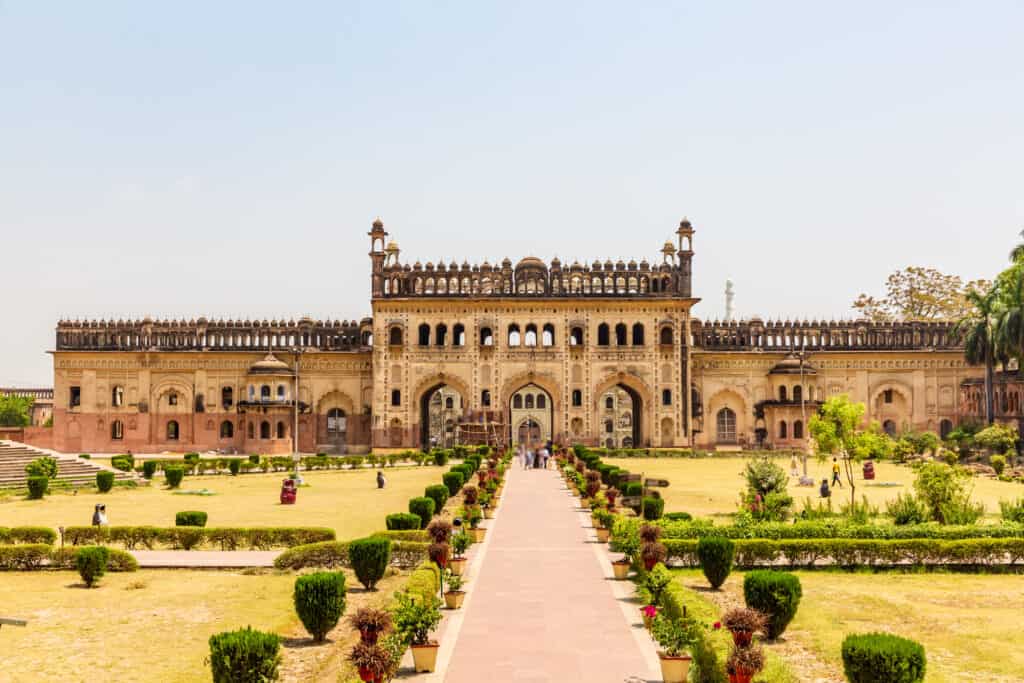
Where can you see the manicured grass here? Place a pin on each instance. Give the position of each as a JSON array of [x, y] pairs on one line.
[[711, 486], [347, 501]]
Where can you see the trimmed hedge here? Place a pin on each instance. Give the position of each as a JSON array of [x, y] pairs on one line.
[[454, 481], [849, 552], [117, 560], [91, 563], [334, 554], [190, 518], [149, 468], [27, 534], [425, 581], [23, 557], [37, 487], [244, 656], [370, 558], [838, 529], [715, 554], [319, 600], [174, 474], [775, 594], [653, 508], [424, 508], [104, 481], [400, 521], [226, 538], [871, 657], [439, 492]]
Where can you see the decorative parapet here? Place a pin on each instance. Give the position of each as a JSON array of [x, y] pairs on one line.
[[793, 335]]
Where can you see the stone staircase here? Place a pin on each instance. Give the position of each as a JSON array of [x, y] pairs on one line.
[[72, 471]]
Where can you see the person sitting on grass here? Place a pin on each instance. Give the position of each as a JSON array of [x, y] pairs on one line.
[[380, 479], [825, 492]]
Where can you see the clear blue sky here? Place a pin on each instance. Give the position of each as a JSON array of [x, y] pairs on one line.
[[227, 158]]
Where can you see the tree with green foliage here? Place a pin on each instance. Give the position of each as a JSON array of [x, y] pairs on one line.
[[998, 438], [15, 410], [977, 329], [917, 293], [836, 432]]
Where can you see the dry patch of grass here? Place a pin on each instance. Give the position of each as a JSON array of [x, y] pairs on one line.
[[711, 486], [347, 501]]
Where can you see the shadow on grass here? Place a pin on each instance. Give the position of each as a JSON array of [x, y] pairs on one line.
[[303, 643]]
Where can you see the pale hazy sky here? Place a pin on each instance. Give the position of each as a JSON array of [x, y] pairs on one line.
[[227, 158]]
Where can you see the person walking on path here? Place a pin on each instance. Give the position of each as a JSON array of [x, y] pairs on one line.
[[99, 515], [380, 479], [835, 474]]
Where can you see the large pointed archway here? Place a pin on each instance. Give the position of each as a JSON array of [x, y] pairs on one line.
[[624, 423], [441, 408], [531, 413]]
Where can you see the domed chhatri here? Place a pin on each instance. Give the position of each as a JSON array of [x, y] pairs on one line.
[[270, 365], [531, 262], [790, 365]]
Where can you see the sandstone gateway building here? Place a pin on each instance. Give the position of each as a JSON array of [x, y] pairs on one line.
[[605, 353]]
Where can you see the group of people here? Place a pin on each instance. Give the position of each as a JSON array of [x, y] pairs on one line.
[[825, 490], [530, 458]]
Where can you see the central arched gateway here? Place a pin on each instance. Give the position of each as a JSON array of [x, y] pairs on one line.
[[531, 410], [620, 409], [440, 410]]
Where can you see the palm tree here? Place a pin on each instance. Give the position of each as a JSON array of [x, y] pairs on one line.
[[978, 330], [1017, 253], [1009, 337]]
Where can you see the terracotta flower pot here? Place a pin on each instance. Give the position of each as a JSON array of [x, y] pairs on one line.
[[742, 638], [457, 565], [603, 535], [366, 674], [489, 513], [674, 669], [741, 677], [478, 534], [424, 657], [453, 599], [621, 569]]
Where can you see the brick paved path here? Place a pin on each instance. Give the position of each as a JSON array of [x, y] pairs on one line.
[[542, 607]]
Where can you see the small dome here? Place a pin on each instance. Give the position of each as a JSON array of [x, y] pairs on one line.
[[378, 223], [270, 365], [531, 262], [669, 247], [790, 365], [392, 246]]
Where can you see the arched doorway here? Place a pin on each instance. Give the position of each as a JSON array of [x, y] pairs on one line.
[[620, 416], [530, 410], [440, 411], [337, 426]]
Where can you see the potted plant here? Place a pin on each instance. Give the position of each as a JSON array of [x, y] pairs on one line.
[[470, 494], [744, 663], [473, 515], [675, 637], [370, 623], [626, 542], [372, 661], [487, 505], [438, 553], [454, 596], [648, 613], [593, 483], [652, 551], [460, 543], [743, 623], [439, 530], [611, 494], [603, 521], [414, 620]]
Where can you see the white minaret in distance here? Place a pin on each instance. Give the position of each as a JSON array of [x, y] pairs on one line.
[[729, 296]]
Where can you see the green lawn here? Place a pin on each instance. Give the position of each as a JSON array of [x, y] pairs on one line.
[[711, 486], [347, 501]]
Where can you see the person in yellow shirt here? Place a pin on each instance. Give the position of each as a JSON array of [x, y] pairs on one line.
[[836, 481]]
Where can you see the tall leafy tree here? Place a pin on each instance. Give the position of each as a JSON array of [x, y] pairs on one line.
[[979, 330], [1017, 253], [917, 293], [15, 410], [836, 431]]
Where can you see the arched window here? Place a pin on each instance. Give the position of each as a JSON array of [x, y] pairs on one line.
[[548, 335], [227, 429], [620, 334], [441, 337], [485, 398], [542, 401], [638, 335], [336, 421], [396, 397], [602, 335], [666, 397], [529, 401], [281, 430], [265, 393], [172, 399], [530, 338], [783, 430], [280, 392], [890, 428], [576, 336], [227, 397], [517, 402], [577, 397], [609, 426], [395, 336], [172, 431], [945, 427], [116, 430], [798, 429], [666, 336], [117, 397], [459, 335], [725, 424], [251, 431], [609, 403], [513, 335], [798, 393], [782, 393], [449, 403], [486, 337], [264, 430], [424, 332]]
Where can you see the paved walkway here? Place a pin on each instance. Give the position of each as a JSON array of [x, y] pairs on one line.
[[205, 559], [543, 607]]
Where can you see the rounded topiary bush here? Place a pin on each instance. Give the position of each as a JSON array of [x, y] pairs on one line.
[[715, 554], [174, 474], [775, 594], [401, 521], [104, 481], [37, 486], [125, 463], [422, 507], [190, 518], [872, 657], [244, 656], [234, 465], [370, 558], [320, 601], [440, 457], [653, 508], [439, 492], [454, 481], [91, 563], [998, 463], [149, 468]]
